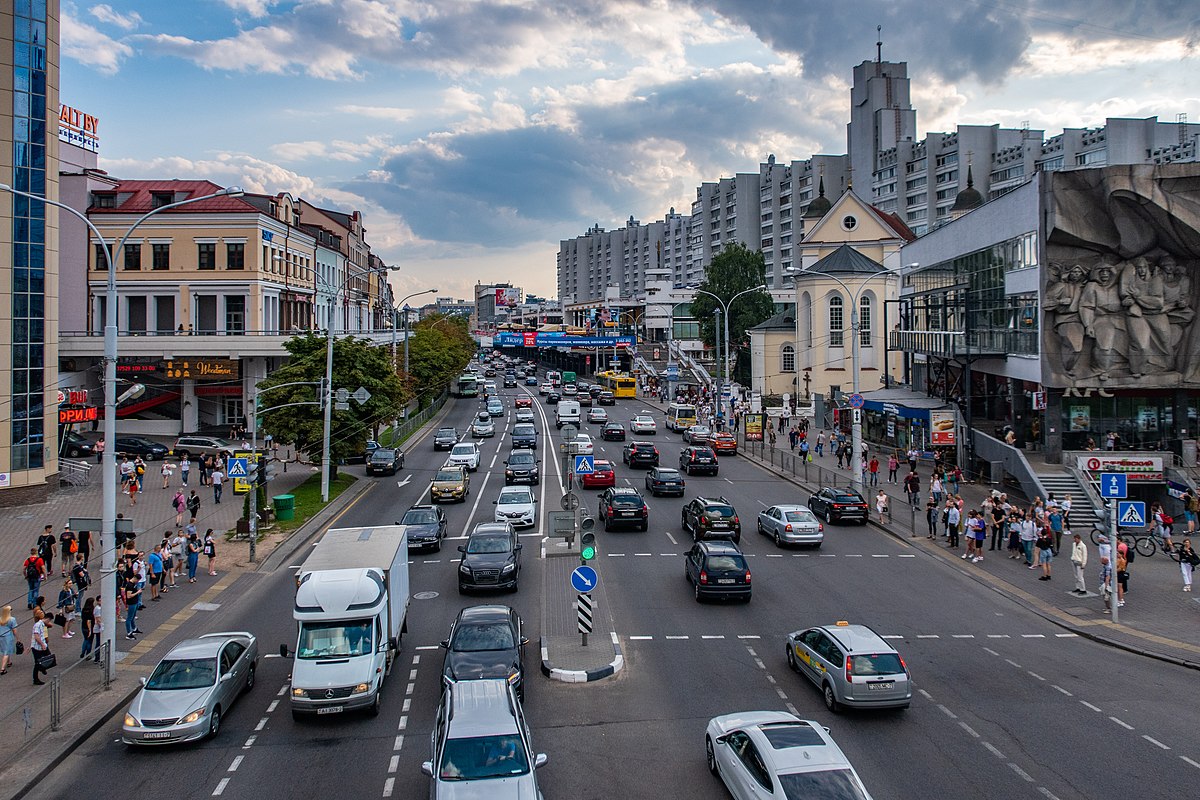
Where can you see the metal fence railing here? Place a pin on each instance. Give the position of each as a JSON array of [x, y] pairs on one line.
[[68, 686]]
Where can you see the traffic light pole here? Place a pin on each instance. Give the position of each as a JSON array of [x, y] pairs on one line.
[[1113, 543]]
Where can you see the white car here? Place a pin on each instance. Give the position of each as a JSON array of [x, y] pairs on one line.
[[597, 415], [517, 506], [544, 388], [570, 390], [464, 454], [581, 445], [772, 754], [643, 423], [524, 415]]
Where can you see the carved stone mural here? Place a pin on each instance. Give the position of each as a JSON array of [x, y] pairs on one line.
[[1122, 270]]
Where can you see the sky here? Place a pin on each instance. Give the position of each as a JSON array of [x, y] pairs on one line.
[[474, 135]]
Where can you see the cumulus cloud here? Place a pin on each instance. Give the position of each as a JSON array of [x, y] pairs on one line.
[[105, 13], [255, 8], [90, 46]]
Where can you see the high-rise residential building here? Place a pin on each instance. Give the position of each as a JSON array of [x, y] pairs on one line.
[[623, 258], [29, 235], [786, 194], [881, 115], [724, 212]]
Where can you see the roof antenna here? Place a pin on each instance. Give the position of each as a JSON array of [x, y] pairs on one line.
[[878, 44]]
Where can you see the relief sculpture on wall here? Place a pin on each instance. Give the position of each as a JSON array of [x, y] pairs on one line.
[[1118, 292]]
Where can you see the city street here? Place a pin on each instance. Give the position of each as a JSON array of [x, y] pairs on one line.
[[1007, 705]]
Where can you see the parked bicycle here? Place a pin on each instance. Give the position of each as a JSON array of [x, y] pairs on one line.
[[1146, 543]]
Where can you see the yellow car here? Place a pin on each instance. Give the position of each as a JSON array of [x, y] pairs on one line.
[[450, 483]]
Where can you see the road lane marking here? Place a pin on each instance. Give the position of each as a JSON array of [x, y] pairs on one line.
[[1033, 636], [1033, 674], [998, 636], [640, 638], [393, 764], [237, 762], [1021, 772], [994, 751], [1123, 724], [217, 792], [1012, 663], [968, 729], [676, 637], [249, 743], [1048, 794], [1155, 742], [274, 705], [1195, 764], [1089, 705], [928, 636], [749, 637], [262, 723], [925, 694], [712, 637], [990, 650], [947, 711], [428, 647], [962, 635], [388, 786], [672, 538], [1061, 689]]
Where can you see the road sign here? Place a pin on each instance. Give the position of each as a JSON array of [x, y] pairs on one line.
[[239, 467], [570, 502], [343, 395], [584, 578], [672, 373], [856, 419], [562, 524], [1131, 514], [361, 395], [857, 400], [1113, 485], [585, 613], [586, 465]]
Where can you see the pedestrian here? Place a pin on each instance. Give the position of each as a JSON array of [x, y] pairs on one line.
[[178, 553], [996, 521], [193, 505], [1045, 548], [68, 546], [39, 646], [893, 465], [80, 575], [218, 484], [139, 471], [1029, 535], [155, 562], [46, 544], [1191, 505], [804, 454], [68, 601], [133, 601], [1106, 582], [912, 485], [953, 517], [1188, 561], [839, 451], [85, 545], [1122, 574], [1079, 557], [179, 503], [881, 505], [1014, 534], [821, 444], [87, 626], [912, 459], [8, 638], [34, 570], [99, 450], [210, 550], [935, 487], [932, 513], [193, 555], [1055, 521], [185, 469], [873, 470], [168, 558], [126, 472], [1164, 524], [166, 470], [1066, 511]]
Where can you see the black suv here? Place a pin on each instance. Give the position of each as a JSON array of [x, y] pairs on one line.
[[385, 461], [711, 518], [486, 642], [491, 558], [445, 438], [664, 480], [521, 467], [640, 454], [622, 505], [698, 458], [717, 569], [839, 505]]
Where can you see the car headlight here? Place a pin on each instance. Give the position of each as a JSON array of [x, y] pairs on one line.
[[192, 717], [513, 677], [508, 568], [130, 721], [362, 687], [463, 568], [299, 692], [508, 473]]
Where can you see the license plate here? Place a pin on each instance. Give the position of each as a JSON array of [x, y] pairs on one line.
[[881, 685], [724, 580], [159, 735], [330, 710], [626, 513]]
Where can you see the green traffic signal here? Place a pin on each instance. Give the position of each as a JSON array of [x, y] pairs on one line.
[[587, 545]]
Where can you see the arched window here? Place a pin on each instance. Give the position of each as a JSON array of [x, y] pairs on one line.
[[864, 321], [837, 322], [787, 358]]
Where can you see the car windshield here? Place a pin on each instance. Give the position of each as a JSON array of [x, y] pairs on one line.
[[833, 784], [486, 636], [482, 757], [382, 455], [449, 475], [519, 460], [514, 498], [183, 673], [334, 639], [420, 517], [876, 664], [523, 429], [489, 544], [463, 450], [725, 563], [799, 516]]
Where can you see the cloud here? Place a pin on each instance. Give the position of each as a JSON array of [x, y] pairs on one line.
[[336, 150], [91, 47], [255, 8], [1052, 55], [105, 13], [389, 113]]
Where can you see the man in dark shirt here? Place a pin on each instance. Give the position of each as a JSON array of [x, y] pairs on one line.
[[45, 546], [133, 598]]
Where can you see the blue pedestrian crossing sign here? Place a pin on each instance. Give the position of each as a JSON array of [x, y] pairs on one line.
[[239, 467], [585, 465], [1131, 514], [1113, 485]]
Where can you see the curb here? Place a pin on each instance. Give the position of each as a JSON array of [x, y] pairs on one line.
[[580, 675], [991, 584]]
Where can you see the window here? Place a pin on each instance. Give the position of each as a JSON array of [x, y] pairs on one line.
[[864, 321], [836, 322], [137, 314], [160, 199], [206, 255], [101, 259], [235, 314], [787, 358], [107, 200], [849, 222], [160, 256], [164, 314], [133, 256]]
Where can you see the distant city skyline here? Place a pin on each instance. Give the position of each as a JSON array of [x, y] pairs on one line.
[[474, 136]]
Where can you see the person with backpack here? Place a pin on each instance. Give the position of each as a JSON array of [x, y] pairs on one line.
[[193, 505], [68, 601], [139, 471], [79, 574], [179, 503], [34, 570], [45, 546], [1166, 524], [68, 547]]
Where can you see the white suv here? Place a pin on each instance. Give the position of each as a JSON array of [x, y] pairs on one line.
[[516, 506], [464, 454]]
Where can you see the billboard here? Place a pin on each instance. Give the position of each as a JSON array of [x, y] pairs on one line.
[[754, 427], [507, 297], [942, 424], [560, 340]]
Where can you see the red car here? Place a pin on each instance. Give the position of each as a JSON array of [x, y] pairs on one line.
[[723, 444], [601, 477], [523, 401]]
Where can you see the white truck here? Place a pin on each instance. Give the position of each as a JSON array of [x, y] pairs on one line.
[[351, 608]]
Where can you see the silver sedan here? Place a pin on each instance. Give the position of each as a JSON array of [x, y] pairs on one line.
[[791, 524], [643, 424], [191, 688]]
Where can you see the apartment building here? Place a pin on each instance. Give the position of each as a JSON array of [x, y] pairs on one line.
[[724, 211], [624, 257], [786, 194]]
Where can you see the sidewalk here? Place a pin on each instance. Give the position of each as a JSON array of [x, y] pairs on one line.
[[1158, 620]]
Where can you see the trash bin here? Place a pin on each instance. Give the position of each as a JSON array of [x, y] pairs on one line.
[[285, 506]]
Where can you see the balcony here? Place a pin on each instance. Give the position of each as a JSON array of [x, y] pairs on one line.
[[248, 344], [955, 344]]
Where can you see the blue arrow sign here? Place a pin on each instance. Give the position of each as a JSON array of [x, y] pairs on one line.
[[584, 579], [238, 467], [1113, 485], [1131, 514], [585, 465]]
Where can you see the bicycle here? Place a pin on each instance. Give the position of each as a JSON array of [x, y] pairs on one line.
[[1129, 539]]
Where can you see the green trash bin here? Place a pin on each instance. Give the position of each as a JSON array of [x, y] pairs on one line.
[[285, 506]]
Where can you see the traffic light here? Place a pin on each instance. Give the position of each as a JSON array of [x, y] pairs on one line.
[[251, 470], [1103, 521], [270, 465], [587, 539]]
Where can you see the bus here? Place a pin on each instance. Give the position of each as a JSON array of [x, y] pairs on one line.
[[620, 384], [468, 385], [680, 416]]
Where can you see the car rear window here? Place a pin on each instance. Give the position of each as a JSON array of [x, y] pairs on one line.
[[668, 474], [800, 516], [725, 563], [627, 500], [833, 784], [876, 664], [791, 734], [719, 511], [848, 498]]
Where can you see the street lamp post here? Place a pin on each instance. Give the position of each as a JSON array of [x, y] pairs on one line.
[[108, 520], [725, 307], [405, 312]]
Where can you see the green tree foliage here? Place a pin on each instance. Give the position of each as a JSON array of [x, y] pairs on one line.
[[735, 269], [440, 348], [355, 363]]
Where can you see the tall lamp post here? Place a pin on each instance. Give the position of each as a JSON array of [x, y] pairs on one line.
[[108, 520], [404, 310], [725, 307]]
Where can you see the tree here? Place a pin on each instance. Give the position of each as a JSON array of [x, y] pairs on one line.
[[440, 348], [735, 269], [355, 363]]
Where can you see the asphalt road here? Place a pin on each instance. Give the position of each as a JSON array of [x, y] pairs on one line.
[[1008, 706]]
